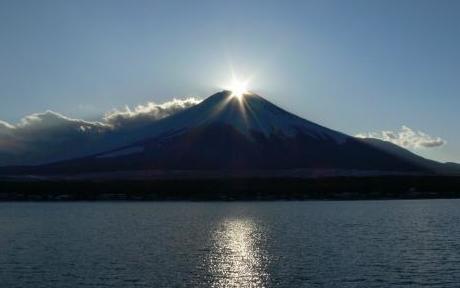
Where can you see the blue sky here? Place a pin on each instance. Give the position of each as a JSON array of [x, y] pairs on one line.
[[354, 66]]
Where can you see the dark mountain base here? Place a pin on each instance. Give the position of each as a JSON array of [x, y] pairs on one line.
[[334, 188]]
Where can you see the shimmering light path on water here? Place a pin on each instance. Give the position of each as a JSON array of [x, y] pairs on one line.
[[266, 244]]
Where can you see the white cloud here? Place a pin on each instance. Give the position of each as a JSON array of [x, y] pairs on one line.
[[147, 113], [407, 138], [5, 126], [51, 120], [50, 136]]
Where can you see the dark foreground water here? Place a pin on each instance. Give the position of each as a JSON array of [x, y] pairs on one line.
[[271, 244]]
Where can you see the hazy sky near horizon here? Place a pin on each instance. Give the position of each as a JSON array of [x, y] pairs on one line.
[[354, 66]]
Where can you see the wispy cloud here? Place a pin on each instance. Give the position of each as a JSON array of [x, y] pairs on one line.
[[406, 137], [50, 135], [147, 113]]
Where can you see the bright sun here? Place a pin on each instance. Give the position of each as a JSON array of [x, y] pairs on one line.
[[238, 88]]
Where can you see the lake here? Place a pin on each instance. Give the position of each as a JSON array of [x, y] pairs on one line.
[[405, 243]]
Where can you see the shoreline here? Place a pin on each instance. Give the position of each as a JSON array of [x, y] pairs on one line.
[[234, 189]]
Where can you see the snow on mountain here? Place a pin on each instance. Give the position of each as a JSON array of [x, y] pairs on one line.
[[250, 114], [227, 133]]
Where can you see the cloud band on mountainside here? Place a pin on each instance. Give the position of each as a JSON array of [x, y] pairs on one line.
[[406, 138], [147, 113], [49, 135]]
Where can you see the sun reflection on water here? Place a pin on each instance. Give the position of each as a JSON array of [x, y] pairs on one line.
[[237, 259]]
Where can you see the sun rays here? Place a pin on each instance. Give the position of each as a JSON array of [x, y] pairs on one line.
[[238, 86]]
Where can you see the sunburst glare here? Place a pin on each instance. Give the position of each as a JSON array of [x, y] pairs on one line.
[[238, 87]]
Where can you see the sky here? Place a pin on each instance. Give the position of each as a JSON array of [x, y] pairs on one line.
[[361, 67]]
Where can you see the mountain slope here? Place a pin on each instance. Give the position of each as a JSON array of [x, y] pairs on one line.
[[227, 133], [249, 114], [440, 168]]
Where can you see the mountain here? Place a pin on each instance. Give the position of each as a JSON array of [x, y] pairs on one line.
[[440, 168], [228, 133]]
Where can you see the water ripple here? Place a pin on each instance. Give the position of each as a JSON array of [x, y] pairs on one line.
[[267, 244]]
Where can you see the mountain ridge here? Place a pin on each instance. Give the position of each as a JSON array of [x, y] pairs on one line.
[[225, 132]]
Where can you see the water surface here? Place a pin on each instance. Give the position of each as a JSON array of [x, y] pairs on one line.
[[406, 243]]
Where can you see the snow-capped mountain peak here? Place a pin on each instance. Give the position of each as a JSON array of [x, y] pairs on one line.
[[226, 132], [249, 114]]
